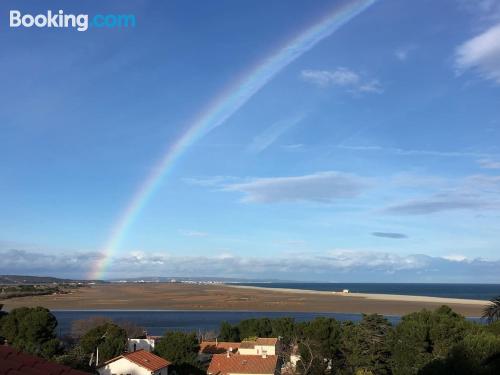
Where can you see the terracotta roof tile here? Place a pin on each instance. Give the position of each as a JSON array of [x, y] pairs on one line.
[[144, 359], [13, 362], [270, 341], [221, 364]]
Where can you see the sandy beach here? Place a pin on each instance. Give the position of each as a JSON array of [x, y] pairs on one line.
[[174, 296]]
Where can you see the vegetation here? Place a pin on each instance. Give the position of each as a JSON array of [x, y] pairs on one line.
[[182, 350], [492, 311], [109, 338], [31, 330], [422, 343], [26, 290]]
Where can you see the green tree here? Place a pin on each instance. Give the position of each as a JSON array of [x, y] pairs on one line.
[[31, 330], [424, 336], [179, 348], [255, 328], [478, 353], [75, 358], [109, 337], [228, 332], [284, 328], [492, 311], [323, 335], [367, 345]]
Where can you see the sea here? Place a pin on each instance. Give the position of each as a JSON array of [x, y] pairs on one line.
[[159, 321]]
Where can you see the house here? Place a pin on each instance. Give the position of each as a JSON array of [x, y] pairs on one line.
[[139, 362], [209, 348], [147, 344], [239, 364], [14, 362], [259, 346]]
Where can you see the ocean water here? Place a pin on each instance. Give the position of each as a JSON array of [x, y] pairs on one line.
[[466, 291], [157, 322]]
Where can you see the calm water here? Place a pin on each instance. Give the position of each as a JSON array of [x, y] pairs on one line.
[[467, 291], [157, 322]]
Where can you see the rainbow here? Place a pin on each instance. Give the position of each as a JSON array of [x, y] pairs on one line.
[[219, 110]]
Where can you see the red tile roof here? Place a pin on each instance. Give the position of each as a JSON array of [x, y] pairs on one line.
[[217, 347], [144, 359], [270, 341], [14, 362], [221, 364]]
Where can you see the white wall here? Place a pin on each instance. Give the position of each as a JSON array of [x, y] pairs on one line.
[[146, 344], [258, 350], [125, 367]]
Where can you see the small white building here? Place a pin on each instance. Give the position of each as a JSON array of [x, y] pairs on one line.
[[147, 344], [261, 346], [139, 362]]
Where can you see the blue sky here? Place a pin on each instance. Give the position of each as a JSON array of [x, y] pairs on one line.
[[373, 157]]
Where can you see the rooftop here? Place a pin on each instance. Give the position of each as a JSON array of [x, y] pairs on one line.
[[266, 341], [217, 347], [222, 364], [144, 359], [14, 362]]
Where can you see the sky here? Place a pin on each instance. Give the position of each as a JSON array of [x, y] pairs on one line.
[[373, 156]]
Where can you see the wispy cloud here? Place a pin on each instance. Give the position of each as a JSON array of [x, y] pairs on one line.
[[293, 147], [391, 235], [193, 233], [436, 204], [272, 133], [335, 265], [484, 10], [410, 152], [481, 54], [324, 187], [489, 164], [342, 77]]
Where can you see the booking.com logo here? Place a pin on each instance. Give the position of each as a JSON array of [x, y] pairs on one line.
[[80, 22]]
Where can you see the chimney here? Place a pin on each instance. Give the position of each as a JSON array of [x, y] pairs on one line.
[[227, 354], [264, 355]]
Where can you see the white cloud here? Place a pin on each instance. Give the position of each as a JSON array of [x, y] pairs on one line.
[[455, 257], [325, 187], [342, 77], [481, 54], [336, 265]]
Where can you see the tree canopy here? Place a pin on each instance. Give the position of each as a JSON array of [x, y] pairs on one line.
[[110, 338], [31, 330]]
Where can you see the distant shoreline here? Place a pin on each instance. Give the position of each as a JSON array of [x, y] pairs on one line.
[[195, 297], [375, 296]]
